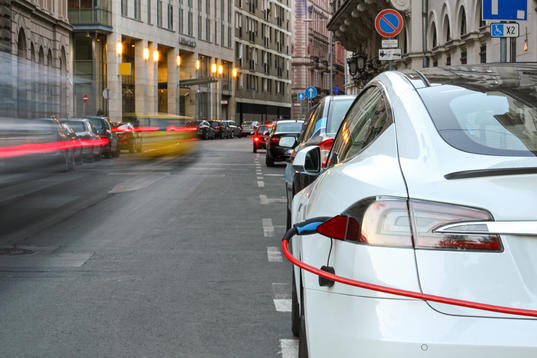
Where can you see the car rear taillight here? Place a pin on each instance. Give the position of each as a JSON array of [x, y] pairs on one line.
[[256, 139], [217, 127], [397, 222], [275, 139], [325, 150], [104, 135]]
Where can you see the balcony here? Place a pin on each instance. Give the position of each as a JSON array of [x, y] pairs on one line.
[[91, 19]]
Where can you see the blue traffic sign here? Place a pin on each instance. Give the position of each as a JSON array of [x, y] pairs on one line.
[[336, 90], [300, 96], [389, 23], [505, 10], [311, 92]]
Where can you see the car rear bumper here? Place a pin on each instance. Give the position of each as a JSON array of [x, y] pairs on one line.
[[350, 326], [279, 154]]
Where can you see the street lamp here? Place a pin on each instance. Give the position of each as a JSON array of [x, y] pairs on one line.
[[155, 55], [178, 60], [198, 64], [220, 70], [119, 48], [214, 68], [146, 53]]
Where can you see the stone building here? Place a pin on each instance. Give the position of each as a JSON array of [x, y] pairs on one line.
[[167, 51], [436, 33], [36, 65], [263, 53], [311, 53]]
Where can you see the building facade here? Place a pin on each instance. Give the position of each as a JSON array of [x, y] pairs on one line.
[[154, 56], [436, 33], [263, 53], [36, 71], [313, 54]]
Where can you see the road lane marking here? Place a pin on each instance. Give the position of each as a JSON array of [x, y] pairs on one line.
[[135, 184], [289, 348], [259, 178], [281, 292], [274, 254], [260, 184], [264, 200], [274, 175], [268, 228]]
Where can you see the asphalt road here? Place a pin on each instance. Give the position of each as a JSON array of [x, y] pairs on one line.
[[171, 258]]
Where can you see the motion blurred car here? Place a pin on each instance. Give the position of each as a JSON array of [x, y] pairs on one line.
[[433, 178], [260, 136], [205, 131], [75, 144], [320, 128], [104, 129], [127, 136], [165, 135], [92, 145], [281, 141], [34, 145]]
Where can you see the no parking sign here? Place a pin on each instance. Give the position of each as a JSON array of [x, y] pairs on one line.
[[389, 23]]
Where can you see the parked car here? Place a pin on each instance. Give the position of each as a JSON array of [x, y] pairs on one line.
[[320, 127], [92, 147], [247, 128], [220, 131], [235, 131], [281, 141], [127, 136], [75, 145], [104, 129], [433, 173], [205, 130]]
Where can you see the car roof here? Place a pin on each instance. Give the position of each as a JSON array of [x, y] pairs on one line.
[[483, 77], [289, 121]]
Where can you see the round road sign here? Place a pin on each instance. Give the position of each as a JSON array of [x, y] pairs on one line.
[[85, 98], [389, 23]]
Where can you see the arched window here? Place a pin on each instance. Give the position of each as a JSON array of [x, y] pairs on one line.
[[22, 105], [462, 22], [50, 88], [434, 39], [447, 29], [41, 94], [63, 83]]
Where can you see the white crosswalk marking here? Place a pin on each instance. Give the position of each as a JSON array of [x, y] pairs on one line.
[[260, 184], [274, 254], [289, 348], [268, 228]]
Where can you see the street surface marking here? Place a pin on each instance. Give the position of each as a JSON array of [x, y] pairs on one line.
[[282, 305], [264, 200], [289, 348], [274, 254], [259, 178], [268, 228], [282, 296], [260, 184], [274, 175]]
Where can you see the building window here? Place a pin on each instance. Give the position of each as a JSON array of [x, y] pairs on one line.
[[159, 12], [149, 12], [463, 22], [229, 36], [464, 56], [180, 19], [124, 7], [190, 22], [222, 35], [435, 63], [448, 60], [483, 53], [208, 29], [170, 16], [200, 26]]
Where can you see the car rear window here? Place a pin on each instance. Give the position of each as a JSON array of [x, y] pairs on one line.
[[261, 129], [336, 112], [77, 126], [500, 122], [98, 123], [291, 127]]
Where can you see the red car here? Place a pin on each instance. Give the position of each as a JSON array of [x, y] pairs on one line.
[[259, 140]]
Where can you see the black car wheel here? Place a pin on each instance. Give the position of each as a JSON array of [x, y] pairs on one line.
[[295, 309]]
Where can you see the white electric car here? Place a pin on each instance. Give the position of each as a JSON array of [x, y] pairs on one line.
[[438, 170]]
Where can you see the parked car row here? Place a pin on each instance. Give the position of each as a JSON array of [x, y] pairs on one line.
[[430, 180], [218, 129]]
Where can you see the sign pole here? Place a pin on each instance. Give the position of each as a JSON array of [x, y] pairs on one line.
[[503, 50]]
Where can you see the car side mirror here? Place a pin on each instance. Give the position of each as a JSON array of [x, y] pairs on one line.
[[308, 160]]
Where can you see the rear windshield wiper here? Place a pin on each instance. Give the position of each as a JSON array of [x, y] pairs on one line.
[[490, 172]]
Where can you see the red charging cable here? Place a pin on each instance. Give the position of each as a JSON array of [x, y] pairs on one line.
[[398, 292]]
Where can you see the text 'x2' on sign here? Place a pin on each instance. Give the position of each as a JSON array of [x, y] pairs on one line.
[[389, 23]]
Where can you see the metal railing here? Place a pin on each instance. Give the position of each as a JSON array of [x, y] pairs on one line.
[[94, 16]]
